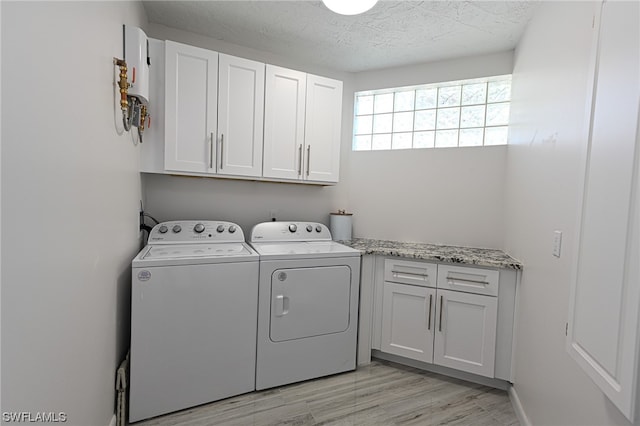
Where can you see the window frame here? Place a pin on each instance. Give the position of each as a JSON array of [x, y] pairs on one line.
[[376, 126]]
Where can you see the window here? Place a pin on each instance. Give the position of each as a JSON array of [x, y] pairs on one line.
[[452, 114]]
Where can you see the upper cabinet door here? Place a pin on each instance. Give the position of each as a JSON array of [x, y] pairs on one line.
[[285, 94], [240, 116], [191, 79], [322, 129], [603, 334]]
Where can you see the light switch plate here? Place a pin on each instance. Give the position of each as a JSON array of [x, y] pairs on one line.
[[557, 243]]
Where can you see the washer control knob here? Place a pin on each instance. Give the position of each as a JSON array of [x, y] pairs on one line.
[[198, 228], [309, 228], [163, 229], [177, 228], [232, 229], [318, 228], [293, 227], [220, 228]]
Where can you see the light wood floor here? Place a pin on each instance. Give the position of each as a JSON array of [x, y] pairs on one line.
[[381, 393]]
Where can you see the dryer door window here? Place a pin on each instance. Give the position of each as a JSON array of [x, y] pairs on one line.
[[308, 302]]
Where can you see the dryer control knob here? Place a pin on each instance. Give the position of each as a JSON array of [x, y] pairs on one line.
[[232, 229], [293, 227], [220, 228], [318, 228], [309, 228], [198, 228], [163, 229], [177, 228]]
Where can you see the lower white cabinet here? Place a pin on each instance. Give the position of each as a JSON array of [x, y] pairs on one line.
[[408, 321], [426, 321], [465, 337]]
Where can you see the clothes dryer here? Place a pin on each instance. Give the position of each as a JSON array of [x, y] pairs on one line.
[[307, 303]]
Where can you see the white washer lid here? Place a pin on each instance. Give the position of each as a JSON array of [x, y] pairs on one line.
[[181, 251], [186, 254], [304, 249]]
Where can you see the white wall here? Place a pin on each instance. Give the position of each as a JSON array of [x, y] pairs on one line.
[[445, 196], [449, 196], [70, 197], [548, 137], [245, 202]]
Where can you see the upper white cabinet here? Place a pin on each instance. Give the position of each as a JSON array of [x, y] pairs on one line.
[[322, 128], [214, 107], [603, 334], [191, 104], [285, 96], [302, 126], [219, 115], [240, 116]]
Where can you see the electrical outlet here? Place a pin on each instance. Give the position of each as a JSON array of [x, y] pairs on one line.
[[557, 243]]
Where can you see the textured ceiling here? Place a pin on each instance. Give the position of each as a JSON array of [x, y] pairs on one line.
[[393, 33]]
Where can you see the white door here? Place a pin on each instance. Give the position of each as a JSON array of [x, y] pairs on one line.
[[603, 327], [465, 336], [240, 116], [191, 81], [285, 94], [308, 302], [322, 129], [408, 321]]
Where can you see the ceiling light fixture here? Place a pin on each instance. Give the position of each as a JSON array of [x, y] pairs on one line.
[[349, 7]]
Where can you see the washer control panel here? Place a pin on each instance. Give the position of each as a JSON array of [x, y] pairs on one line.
[[289, 231], [195, 231]]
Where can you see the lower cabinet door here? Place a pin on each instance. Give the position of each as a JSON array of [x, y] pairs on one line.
[[408, 321], [465, 333]]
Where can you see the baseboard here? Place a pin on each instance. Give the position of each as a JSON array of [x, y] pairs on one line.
[[113, 421], [450, 372], [517, 407]]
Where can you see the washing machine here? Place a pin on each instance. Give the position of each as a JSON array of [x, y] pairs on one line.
[[193, 317], [307, 303]]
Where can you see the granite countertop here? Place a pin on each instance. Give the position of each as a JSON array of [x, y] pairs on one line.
[[464, 255]]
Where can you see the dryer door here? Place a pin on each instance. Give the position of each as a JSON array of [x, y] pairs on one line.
[[307, 302]]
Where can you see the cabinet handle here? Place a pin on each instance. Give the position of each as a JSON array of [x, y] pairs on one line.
[[221, 151], [300, 160], [308, 159], [211, 151], [430, 303], [450, 279], [440, 326], [396, 274]]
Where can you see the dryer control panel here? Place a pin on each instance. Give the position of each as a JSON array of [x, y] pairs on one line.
[[289, 231], [196, 231]]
